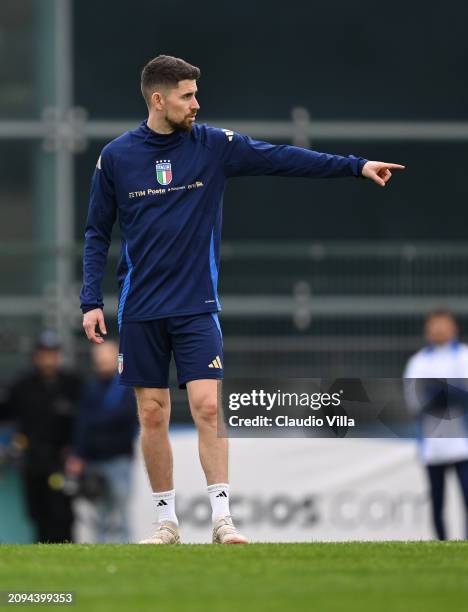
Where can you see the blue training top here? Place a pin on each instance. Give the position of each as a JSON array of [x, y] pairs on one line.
[[168, 191]]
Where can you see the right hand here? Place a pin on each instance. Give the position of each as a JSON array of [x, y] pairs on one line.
[[379, 172], [91, 319]]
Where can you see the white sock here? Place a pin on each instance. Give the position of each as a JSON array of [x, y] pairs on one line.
[[219, 499], [165, 506]]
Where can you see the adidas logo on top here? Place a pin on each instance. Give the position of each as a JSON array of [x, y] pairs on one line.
[[229, 134], [216, 363]]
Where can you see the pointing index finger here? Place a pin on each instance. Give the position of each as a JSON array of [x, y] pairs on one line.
[[396, 166]]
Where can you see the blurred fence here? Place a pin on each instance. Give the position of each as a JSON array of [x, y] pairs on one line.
[[289, 309]]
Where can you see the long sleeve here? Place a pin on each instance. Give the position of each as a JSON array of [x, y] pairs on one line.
[[410, 385], [80, 427], [243, 156], [107, 421], [101, 218]]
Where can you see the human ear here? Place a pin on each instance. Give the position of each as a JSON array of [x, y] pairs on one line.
[[157, 100]]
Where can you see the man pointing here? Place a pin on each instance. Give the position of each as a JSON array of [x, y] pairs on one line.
[[165, 181]]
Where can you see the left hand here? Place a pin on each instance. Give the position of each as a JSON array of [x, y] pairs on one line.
[[379, 172]]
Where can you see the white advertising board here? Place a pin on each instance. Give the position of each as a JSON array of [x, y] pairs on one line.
[[302, 490]]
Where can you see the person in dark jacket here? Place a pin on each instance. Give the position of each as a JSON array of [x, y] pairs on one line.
[[43, 402], [105, 429]]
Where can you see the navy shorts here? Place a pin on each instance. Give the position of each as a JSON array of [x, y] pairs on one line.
[[146, 348]]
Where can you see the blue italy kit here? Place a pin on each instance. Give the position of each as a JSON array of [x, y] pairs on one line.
[[167, 191]]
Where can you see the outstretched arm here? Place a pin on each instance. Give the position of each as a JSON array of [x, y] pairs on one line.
[[243, 156]]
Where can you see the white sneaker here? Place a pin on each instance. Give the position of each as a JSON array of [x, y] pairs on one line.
[[167, 532], [224, 532]]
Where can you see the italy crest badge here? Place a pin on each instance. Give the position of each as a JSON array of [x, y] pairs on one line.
[[164, 171]]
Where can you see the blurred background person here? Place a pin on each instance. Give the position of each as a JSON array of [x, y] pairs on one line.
[[441, 408], [42, 402], [105, 429]]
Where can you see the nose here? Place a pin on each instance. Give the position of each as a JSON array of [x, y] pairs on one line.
[[195, 104]]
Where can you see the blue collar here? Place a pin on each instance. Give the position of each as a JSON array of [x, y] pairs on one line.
[[162, 141], [453, 345]]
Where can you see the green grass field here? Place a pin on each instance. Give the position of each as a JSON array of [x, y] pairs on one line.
[[362, 576]]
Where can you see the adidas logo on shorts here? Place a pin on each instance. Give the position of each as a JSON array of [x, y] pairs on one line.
[[216, 363]]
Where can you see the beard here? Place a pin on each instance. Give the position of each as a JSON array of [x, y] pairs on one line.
[[180, 126]]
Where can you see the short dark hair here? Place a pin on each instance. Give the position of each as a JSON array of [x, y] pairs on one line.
[[165, 70]]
